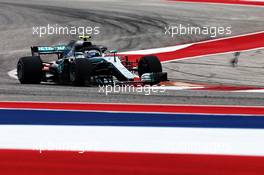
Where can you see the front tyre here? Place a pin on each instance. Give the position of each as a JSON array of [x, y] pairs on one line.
[[29, 70], [149, 64]]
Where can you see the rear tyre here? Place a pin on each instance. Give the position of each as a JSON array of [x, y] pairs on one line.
[[149, 64], [29, 70], [80, 72]]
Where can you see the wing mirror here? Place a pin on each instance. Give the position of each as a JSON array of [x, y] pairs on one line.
[[114, 51]]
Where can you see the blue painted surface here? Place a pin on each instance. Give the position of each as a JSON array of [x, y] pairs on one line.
[[42, 117]]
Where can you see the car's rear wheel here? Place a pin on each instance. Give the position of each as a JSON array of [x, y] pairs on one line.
[[29, 70], [80, 72], [149, 64]]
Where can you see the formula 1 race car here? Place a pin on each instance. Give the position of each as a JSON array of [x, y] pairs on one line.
[[83, 63]]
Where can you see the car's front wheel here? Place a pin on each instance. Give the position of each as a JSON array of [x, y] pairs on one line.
[[149, 64]]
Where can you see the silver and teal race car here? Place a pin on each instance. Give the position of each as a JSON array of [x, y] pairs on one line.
[[82, 63]]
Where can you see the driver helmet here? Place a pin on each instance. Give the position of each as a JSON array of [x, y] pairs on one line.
[[92, 53]]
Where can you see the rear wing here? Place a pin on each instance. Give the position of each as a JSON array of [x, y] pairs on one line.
[[41, 50]]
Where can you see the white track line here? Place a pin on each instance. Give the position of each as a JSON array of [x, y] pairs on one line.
[[134, 139], [157, 50], [252, 90], [13, 74]]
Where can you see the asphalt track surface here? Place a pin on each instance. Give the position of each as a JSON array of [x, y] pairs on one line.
[[128, 25]]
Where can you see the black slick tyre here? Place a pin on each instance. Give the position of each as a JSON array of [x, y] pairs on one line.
[[29, 70]]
